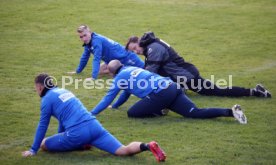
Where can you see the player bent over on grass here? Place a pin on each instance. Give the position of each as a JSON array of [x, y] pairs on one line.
[[156, 93], [162, 59], [103, 49], [77, 127]]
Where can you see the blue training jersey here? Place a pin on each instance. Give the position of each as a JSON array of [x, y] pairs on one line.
[[102, 48], [65, 107], [132, 80]]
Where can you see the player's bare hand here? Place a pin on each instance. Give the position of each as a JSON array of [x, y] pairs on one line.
[[27, 154]]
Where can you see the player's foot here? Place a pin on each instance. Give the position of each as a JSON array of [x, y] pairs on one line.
[[260, 91], [238, 114], [159, 154]]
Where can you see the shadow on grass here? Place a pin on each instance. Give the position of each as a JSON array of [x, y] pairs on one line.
[[174, 118]]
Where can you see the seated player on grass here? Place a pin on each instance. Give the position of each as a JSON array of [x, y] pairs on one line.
[[77, 127], [156, 93]]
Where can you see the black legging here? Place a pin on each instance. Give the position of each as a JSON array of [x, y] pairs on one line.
[[174, 99], [206, 87]]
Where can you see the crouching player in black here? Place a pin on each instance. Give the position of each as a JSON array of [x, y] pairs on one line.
[[77, 127], [161, 58], [156, 93]]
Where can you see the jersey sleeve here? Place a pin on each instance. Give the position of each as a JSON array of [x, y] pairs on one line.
[[107, 99], [98, 50], [45, 116], [83, 60], [121, 100]]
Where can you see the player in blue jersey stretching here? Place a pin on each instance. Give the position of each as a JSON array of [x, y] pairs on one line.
[[104, 49], [156, 93], [77, 127]]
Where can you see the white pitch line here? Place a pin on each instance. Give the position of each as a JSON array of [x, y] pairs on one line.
[[266, 66]]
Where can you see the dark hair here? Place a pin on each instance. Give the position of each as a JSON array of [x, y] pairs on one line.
[[133, 39], [45, 80]]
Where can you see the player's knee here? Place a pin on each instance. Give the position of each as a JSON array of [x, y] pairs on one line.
[[43, 145]]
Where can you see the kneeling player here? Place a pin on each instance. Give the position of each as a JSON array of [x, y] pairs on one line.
[[77, 127]]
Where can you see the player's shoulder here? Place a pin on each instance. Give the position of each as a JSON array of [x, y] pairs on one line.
[[97, 38], [57, 94], [124, 72], [155, 47]]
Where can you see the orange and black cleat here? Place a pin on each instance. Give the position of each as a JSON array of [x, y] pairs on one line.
[[159, 154]]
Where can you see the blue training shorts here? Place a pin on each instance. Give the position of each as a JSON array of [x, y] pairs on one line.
[[89, 132]]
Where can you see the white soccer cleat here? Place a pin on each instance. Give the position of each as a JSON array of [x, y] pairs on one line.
[[238, 114]]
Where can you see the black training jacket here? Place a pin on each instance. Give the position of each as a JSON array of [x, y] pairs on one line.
[[162, 59]]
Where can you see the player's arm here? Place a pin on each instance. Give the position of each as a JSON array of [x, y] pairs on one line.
[[121, 100], [155, 58], [107, 100], [42, 127], [98, 48], [83, 60]]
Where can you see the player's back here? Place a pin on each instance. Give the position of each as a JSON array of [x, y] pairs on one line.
[[110, 49], [140, 81], [66, 107]]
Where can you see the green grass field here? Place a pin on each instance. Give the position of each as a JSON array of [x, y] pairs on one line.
[[222, 38]]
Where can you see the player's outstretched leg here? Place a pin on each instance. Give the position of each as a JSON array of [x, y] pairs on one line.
[[137, 147]]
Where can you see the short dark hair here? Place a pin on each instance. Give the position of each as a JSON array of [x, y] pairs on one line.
[[45, 80], [133, 39]]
